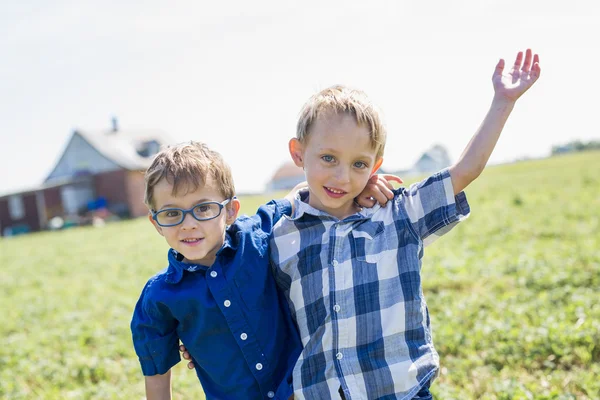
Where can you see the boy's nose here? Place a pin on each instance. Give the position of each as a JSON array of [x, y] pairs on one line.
[[189, 222], [343, 174]]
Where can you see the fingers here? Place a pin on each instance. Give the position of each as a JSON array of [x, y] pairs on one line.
[[499, 68], [187, 356], [518, 60], [381, 197], [536, 70], [184, 352], [365, 201], [392, 178], [527, 64]]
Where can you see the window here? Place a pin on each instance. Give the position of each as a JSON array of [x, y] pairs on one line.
[[148, 149], [16, 208]]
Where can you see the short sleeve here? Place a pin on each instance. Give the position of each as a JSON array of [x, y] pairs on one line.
[[154, 333], [432, 208]]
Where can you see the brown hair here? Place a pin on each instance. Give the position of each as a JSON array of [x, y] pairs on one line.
[[187, 166], [342, 99]]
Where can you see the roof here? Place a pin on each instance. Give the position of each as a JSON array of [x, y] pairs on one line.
[[287, 170], [121, 147]]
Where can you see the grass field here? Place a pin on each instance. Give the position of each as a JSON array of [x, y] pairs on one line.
[[514, 295]]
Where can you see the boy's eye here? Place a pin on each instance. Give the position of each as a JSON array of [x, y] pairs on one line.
[[327, 158], [203, 208], [173, 213], [360, 164]]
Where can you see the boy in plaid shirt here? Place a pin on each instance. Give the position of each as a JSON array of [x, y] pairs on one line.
[[351, 275]]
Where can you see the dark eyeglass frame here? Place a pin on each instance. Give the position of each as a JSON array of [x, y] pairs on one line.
[[190, 211]]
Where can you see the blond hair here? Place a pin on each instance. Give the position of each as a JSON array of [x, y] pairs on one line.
[[186, 166], [341, 99]]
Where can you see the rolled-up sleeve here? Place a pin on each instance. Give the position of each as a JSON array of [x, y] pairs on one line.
[[432, 208], [154, 333]]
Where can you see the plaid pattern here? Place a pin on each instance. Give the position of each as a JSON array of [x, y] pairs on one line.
[[354, 288]]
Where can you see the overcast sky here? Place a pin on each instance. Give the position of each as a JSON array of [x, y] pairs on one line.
[[235, 74]]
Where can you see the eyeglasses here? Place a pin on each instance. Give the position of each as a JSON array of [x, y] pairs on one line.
[[201, 212]]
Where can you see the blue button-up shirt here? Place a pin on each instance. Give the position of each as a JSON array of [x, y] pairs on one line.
[[354, 287], [231, 318]]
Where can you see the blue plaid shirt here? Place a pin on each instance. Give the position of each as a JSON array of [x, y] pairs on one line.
[[354, 289], [231, 318]]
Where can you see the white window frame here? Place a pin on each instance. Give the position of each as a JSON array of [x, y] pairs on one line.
[[16, 207]]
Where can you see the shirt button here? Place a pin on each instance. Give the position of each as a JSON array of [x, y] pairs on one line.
[[334, 263], [339, 356], [213, 274], [337, 308], [227, 303], [258, 366], [243, 336], [270, 395]]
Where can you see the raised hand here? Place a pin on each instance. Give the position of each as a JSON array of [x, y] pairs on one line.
[[523, 74]]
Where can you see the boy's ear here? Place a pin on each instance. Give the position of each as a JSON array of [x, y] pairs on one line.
[[297, 152], [156, 226], [233, 208], [377, 165]]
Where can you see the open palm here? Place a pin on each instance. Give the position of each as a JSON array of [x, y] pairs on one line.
[[521, 77]]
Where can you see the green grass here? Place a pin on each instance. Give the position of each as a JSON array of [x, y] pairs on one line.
[[513, 293]]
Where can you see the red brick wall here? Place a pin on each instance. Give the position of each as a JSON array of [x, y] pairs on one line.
[[111, 185], [31, 218], [136, 187], [53, 202], [4, 215]]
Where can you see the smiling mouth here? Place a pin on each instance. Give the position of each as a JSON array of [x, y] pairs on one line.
[[334, 191], [191, 240]]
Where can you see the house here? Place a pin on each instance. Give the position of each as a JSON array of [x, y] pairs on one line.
[[98, 170], [433, 160], [286, 177]]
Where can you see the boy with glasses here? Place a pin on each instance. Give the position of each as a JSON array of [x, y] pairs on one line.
[[217, 295]]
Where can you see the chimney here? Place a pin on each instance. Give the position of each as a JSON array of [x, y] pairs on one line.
[[115, 124]]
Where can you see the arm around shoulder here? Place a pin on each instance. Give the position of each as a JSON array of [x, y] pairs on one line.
[[158, 387]]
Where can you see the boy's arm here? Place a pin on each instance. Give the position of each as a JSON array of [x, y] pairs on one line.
[[508, 88], [154, 332], [158, 387]]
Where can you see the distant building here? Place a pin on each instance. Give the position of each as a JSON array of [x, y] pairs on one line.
[[433, 160], [286, 177], [96, 169]]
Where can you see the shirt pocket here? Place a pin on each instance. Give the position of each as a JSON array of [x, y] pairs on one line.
[[252, 284], [368, 242]]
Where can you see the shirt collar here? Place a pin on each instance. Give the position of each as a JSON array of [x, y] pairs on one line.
[[302, 207], [177, 265]]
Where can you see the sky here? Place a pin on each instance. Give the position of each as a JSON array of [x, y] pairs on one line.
[[235, 74]]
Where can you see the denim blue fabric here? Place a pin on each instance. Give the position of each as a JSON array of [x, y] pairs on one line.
[[234, 323], [354, 289]]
